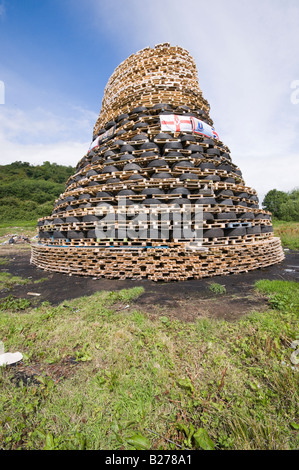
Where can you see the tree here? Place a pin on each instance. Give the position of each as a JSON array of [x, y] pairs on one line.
[[273, 200], [284, 206], [289, 210]]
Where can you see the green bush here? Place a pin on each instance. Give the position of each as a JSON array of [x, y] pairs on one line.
[[282, 205], [28, 192], [12, 209]]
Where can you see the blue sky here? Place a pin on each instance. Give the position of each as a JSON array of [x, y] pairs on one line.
[[57, 55]]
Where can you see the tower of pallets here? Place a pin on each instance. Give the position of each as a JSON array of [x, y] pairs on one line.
[[154, 159]]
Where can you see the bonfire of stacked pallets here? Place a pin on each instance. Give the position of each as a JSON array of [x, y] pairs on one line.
[[157, 195]]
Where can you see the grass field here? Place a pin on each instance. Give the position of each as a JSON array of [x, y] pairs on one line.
[[105, 376], [288, 233], [99, 374]]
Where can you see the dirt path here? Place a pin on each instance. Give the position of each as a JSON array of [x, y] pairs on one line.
[[186, 300]]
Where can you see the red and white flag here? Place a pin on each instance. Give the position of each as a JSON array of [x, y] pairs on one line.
[[174, 123]]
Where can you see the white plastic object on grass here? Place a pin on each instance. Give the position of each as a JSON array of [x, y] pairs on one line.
[[8, 358]]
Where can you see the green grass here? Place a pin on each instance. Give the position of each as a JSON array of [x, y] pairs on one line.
[[42, 279], [109, 377], [19, 223], [14, 304], [289, 288], [8, 281], [288, 233], [217, 288], [282, 295]]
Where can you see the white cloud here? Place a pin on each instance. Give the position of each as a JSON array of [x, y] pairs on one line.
[[40, 135], [246, 55], [63, 153], [42, 125]]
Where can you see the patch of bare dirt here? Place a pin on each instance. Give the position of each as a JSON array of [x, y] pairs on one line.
[[34, 375], [226, 306]]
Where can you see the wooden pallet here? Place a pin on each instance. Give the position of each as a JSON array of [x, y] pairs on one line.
[[158, 264]]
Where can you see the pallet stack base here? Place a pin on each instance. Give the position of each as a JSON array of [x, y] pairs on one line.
[[178, 263]]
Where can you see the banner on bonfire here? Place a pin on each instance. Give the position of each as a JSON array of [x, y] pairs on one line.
[[202, 128], [94, 144], [102, 138], [174, 123]]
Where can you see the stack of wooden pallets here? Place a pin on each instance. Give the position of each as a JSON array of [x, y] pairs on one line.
[[163, 74], [146, 202]]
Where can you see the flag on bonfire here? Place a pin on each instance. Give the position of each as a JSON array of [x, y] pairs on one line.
[[174, 123], [94, 144], [102, 138], [202, 128]]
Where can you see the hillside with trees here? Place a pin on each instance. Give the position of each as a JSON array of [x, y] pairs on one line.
[[28, 192]]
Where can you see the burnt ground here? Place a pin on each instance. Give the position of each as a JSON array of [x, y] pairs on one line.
[[187, 300]]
